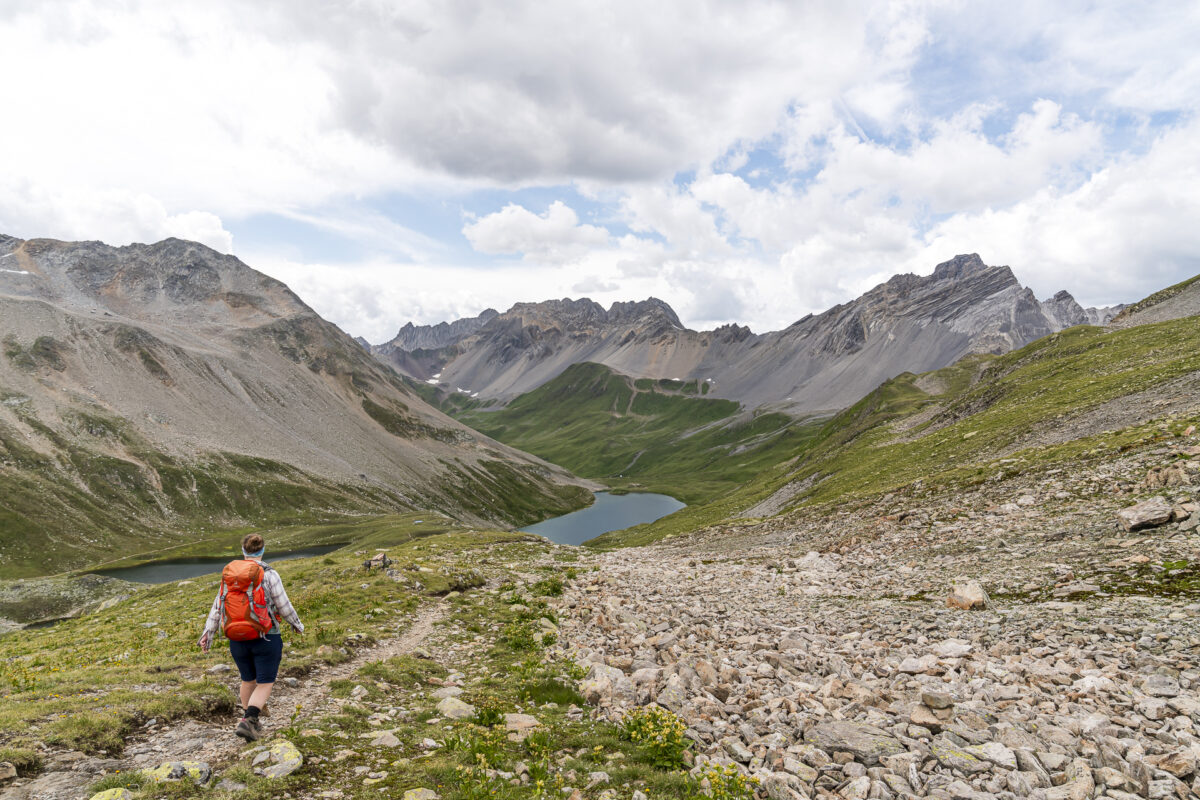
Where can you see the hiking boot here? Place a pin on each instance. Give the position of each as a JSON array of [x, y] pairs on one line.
[[249, 729]]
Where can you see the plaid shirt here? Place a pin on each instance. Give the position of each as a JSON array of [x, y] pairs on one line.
[[277, 603]]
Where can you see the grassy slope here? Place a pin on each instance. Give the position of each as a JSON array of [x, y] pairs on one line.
[[987, 408], [89, 683], [658, 435], [79, 675], [1155, 299]]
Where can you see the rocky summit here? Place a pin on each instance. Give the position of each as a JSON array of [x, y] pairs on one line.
[[820, 363]]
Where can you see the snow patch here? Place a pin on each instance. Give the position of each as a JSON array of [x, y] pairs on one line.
[[16, 271]]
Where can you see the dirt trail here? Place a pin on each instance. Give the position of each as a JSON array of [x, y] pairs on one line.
[[213, 741]]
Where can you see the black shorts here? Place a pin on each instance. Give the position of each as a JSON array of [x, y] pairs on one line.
[[258, 659]]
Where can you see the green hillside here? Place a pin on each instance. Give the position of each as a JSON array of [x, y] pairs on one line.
[[659, 435], [1039, 407]]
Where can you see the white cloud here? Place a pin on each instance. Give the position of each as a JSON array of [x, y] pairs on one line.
[[868, 137], [1119, 236], [617, 92], [556, 236], [30, 211]]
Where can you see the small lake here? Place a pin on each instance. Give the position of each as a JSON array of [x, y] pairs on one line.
[[179, 569], [610, 512]]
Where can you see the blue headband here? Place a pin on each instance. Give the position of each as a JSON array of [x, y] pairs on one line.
[[259, 554]]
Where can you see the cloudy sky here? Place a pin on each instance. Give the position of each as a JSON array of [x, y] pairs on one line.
[[745, 161]]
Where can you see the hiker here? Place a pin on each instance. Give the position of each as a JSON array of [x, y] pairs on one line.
[[247, 610]]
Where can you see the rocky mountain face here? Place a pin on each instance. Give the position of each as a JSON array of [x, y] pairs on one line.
[[151, 389], [431, 337], [823, 362]]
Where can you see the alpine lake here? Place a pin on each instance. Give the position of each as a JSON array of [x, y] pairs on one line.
[[610, 512]]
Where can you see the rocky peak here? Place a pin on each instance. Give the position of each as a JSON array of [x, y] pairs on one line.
[[432, 337], [140, 281], [566, 313], [961, 266], [633, 312], [732, 332], [1064, 309], [587, 315]]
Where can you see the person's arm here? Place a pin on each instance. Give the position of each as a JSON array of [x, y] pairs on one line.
[[279, 599], [212, 623]]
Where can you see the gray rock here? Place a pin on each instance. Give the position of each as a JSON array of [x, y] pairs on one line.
[[953, 756], [52, 786], [1147, 514], [968, 596], [1160, 686], [453, 708], [867, 743], [937, 700]]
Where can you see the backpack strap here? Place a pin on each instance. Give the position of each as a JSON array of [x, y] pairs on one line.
[[262, 584]]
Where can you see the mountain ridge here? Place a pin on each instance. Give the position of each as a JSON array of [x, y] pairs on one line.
[[817, 364], [150, 390]]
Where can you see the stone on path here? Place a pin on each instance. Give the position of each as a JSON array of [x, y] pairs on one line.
[[52, 785], [1161, 686], [866, 743], [120, 793], [952, 756], [520, 725], [280, 759], [453, 708], [420, 794], [385, 739], [1147, 514], [968, 596], [196, 771], [1079, 785]]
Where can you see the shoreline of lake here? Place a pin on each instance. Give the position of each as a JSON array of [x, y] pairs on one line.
[[176, 569], [609, 512]]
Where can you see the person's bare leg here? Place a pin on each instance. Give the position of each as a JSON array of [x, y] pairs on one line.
[[246, 690], [262, 691]]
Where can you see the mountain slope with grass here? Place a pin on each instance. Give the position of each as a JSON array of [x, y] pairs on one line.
[[99, 703], [152, 393], [1068, 401], [638, 433]]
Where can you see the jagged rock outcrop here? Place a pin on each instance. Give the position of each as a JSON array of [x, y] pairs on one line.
[[151, 389], [431, 337], [910, 323]]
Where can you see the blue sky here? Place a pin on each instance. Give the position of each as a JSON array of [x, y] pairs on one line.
[[748, 162]]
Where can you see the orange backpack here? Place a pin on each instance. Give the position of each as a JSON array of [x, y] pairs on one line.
[[244, 614]]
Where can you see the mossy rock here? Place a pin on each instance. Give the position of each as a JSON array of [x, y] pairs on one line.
[[197, 771], [279, 760], [113, 794]]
